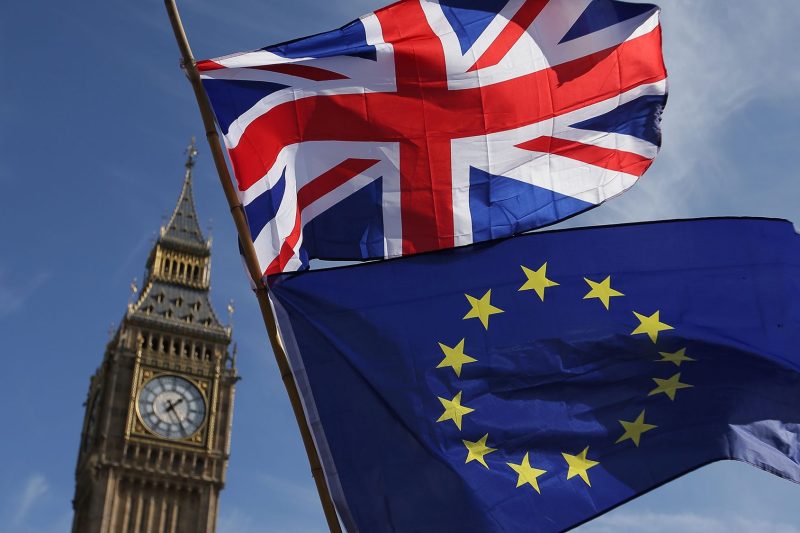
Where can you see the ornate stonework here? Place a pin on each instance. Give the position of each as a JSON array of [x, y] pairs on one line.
[[156, 435]]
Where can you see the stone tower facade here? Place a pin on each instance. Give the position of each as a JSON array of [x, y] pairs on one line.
[[156, 434]]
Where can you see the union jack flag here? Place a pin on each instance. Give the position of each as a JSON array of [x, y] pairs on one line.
[[431, 124]]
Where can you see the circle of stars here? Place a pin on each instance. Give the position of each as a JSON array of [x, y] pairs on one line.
[[579, 464]]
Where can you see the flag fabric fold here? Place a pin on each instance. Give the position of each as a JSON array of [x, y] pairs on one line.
[[433, 124], [533, 383]]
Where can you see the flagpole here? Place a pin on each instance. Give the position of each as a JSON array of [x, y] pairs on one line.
[[251, 260]]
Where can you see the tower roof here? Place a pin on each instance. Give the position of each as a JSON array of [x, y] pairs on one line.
[[183, 228], [177, 278], [173, 307]]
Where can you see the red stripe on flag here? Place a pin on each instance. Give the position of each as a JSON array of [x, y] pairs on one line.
[[616, 160], [207, 64], [332, 179], [509, 35], [303, 71], [310, 193], [426, 183]]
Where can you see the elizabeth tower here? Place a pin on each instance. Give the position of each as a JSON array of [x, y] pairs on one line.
[[156, 434]]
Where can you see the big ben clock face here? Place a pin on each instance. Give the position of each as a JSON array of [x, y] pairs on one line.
[[171, 407]]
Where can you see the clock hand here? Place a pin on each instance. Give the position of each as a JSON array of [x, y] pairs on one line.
[[172, 406], [171, 409]]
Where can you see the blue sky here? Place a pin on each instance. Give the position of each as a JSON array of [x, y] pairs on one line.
[[96, 116]]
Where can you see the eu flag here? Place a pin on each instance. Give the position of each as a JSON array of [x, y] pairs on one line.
[[533, 383]]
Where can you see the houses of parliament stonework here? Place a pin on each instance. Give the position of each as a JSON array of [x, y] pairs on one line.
[[156, 434]]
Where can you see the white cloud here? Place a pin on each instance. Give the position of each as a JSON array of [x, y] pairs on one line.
[[36, 486], [294, 519], [617, 522], [300, 495], [293, 507], [135, 253], [14, 295], [235, 521], [724, 59]]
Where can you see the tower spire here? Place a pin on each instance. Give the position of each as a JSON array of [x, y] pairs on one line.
[[183, 228], [191, 154]]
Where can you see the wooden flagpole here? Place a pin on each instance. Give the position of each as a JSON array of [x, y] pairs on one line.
[[251, 260]]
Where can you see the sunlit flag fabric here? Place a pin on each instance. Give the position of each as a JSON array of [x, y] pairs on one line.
[[535, 382], [428, 125]]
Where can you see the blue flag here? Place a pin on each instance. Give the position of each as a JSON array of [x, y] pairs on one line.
[[533, 383]]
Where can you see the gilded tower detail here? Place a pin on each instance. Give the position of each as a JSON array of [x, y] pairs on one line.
[[156, 434]]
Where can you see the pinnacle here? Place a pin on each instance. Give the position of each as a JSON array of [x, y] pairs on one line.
[[183, 227]]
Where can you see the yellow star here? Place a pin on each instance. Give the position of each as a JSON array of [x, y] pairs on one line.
[[579, 465], [650, 325], [527, 474], [482, 308], [453, 410], [634, 430], [675, 357], [537, 280], [602, 291], [476, 450], [669, 386], [455, 357]]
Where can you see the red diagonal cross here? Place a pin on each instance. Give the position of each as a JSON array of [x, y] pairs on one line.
[[424, 116]]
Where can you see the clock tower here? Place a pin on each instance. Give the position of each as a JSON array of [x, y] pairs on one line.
[[156, 434]]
